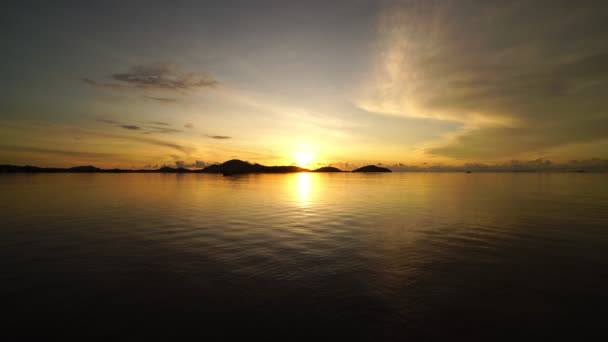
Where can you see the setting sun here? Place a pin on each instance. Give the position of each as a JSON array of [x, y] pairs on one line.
[[303, 158]]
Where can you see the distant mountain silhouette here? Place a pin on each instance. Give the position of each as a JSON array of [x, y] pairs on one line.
[[84, 169], [372, 168], [167, 169], [231, 167], [27, 168], [236, 167], [327, 169], [79, 169]]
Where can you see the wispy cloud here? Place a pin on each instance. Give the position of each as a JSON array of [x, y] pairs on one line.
[[157, 127], [163, 128], [500, 142], [157, 77], [103, 84], [161, 123], [514, 90], [195, 164], [535, 165], [109, 121], [162, 99], [62, 152], [218, 137], [152, 141]]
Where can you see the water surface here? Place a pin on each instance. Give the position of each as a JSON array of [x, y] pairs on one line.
[[358, 256]]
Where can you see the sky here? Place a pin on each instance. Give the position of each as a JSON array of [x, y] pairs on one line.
[[141, 84]]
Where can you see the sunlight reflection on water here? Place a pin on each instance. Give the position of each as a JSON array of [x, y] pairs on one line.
[[304, 187]]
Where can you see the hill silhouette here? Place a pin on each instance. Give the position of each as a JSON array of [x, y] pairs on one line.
[[372, 168], [327, 169], [88, 168], [236, 167]]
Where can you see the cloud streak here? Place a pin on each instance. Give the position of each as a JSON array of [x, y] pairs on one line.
[[536, 165], [157, 77], [157, 127], [70, 153], [108, 121], [103, 84], [156, 142], [196, 164], [162, 99], [218, 137], [138, 138]]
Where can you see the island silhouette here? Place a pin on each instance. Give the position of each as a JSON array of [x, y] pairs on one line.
[[228, 168], [371, 168], [327, 169]]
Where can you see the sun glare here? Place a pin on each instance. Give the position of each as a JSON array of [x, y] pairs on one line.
[[303, 158]]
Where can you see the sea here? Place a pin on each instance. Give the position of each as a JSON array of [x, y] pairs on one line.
[[304, 256]]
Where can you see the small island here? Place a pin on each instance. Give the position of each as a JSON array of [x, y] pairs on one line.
[[372, 168], [239, 167], [327, 169]]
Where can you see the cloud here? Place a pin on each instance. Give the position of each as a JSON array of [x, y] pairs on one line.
[[162, 99], [103, 84], [500, 142], [159, 126], [156, 142], [534, 165], [218, 137], [71, 153], [156, 129], [517, 83], [195, 164], [158, 145], [108, 121], [189, 125], [164, 76]]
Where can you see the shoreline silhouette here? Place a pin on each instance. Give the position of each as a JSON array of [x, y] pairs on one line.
[[236, 167], [228, 168]]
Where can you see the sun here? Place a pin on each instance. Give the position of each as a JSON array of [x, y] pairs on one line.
[[303, 158]]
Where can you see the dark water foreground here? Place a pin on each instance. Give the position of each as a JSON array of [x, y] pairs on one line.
[[302, 256]]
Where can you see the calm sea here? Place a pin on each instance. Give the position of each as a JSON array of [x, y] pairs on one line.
[[301, 256]]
